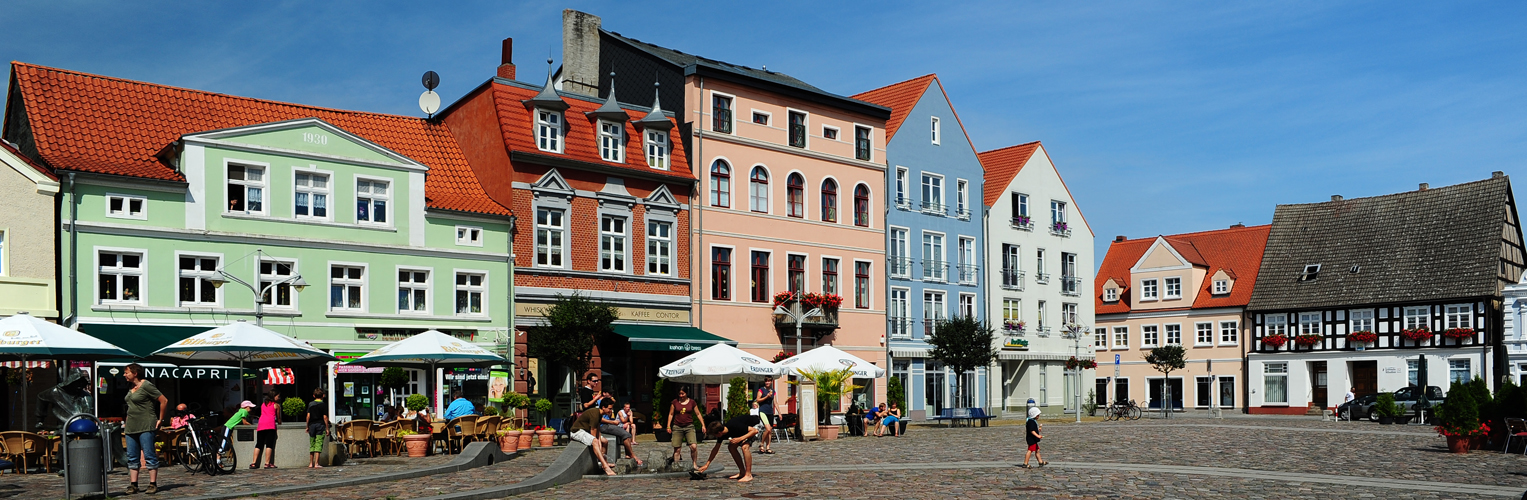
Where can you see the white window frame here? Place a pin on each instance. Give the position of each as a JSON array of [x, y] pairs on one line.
[[933, 125], [768, 118], [1311, 323], [1100, 339], [962, 198], [1057, 211], [1150, 336], [1069, 313], [836, 133], [1275, 371], [731, 107], [1172, 288], [1233, 329], [903, 185], [901, 249], [415, 288], [938, 247], [925, 187], [967, 305], [1039, 317], [549, 133], [1149, 290], [1417, 316], [939, 299], [1172, 333], [1360, 320], [551, 248], [4, 258], [754, 197], [127, 202], [348, 282], [201, 276], [612, 141], [899, 309], [967, 257], [262, 278], [805, 127], [659, 249], [1221, 287], [263, 185], [1121, 337], [141, 271], [1110, 295], [1203, 333], [1453, 366], [327, 192], [481, 288], [386, 198], [1023, 206], [1275, 324], [469, 236], [1458, 316], [837, 281], [659, 151], [869, 137], [612, 259]]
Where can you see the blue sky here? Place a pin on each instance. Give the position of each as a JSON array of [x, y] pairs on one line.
[[1164, 117]]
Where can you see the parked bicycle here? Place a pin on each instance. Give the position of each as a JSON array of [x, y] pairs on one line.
[[206, 450], [1126, 410]]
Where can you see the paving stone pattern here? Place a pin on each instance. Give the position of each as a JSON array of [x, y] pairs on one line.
[[175, 482], [513, 471]]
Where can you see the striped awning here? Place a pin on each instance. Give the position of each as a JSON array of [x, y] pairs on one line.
[[279, 376], [30, 364], [1034, 356], [908, 352]]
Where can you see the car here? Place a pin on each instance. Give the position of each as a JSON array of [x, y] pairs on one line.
[[1361, 407], [1407, 397]]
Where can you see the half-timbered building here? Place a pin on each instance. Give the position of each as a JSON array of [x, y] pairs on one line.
[[1379, 293]]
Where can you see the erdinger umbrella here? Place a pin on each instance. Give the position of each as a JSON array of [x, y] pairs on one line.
[[23, 337], [428, 350], [719, 364], [831, 358], [245, 343]]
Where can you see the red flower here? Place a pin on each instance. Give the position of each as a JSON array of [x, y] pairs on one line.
[[1458, 333], [1307, 340], [783, 298], [1364, 336], [1276, 340], [1417, 334]]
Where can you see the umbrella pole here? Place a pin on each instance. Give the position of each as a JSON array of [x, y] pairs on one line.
[[24, 393]]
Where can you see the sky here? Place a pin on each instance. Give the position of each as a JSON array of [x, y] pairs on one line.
[[1162, 117]]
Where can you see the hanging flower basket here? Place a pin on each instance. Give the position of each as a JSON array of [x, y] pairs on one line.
[[779, 357], [1085, 364], [783, 298], [1014, 326], [826, 301], [1275, 340], [1363, 337], [1458, 333], [1307, 340], [1417, 334]]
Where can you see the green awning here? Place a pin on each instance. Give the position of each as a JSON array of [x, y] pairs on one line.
[[142, 340], [669, 338]]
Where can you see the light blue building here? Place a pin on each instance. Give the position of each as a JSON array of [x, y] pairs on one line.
[[934, 249]]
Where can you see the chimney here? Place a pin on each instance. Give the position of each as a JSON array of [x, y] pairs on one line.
[[506, 61], [1335, 197], [1497, 174], [1424, 187], [1237, 225], [1119, 238], [580, 52]]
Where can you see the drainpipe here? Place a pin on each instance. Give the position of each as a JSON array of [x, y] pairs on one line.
[[698, 213], [74, 283], [986, 296]]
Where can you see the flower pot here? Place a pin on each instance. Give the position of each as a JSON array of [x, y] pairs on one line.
[[1458, 444], [1386, 420], [828, 431], [527, 439], [1477, 442], [1403, 419], [662, 435], [417, 444], [546, 436], [509, 442]]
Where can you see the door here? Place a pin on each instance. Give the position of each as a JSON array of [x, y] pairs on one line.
[[1318, 382], [933, 380], [1100, 394], [1155, 386], [1121, 390], [1365, 378]]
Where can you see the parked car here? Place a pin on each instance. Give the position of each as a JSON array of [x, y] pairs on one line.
[[1407, 397]]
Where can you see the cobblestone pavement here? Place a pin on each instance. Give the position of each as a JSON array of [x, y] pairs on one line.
[[513, 471]]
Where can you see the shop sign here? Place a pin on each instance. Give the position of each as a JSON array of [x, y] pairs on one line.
[[624, 313], [205, 373], [466, 374], [350, 356], [1015, 344], [498, 384]]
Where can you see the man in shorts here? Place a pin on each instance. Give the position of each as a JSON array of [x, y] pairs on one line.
[[740, 433], [683, 414], [586, 430], [608, 424]]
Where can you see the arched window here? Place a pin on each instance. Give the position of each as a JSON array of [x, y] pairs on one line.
[[720, 184], [758, 190], [795, 195], [829, 201], [862, 205]]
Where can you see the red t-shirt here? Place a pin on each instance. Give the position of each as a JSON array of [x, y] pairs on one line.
[[683, 413]]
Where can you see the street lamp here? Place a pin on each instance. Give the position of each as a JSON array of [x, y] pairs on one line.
[[1075, 331], [223, 277], [813, 313]]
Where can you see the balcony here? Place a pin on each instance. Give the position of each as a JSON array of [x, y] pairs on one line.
[[968, 273], [1069, 285], [962, 213], [1023, 223], [900, 267], [1012, 279], [903, 203], [1043, 330], [1060, 229], [935, 270], [930, 324], [900, 328], [1042, 278], [827, 321], [933, 208]]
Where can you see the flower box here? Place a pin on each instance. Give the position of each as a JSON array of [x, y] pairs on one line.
[[1307, 340], [1085, 364], [783, 298], [1416, 334], [1059, 227], [826, 301], [1014, 326], [1275, 340], [1458, 333], [1364, 337]]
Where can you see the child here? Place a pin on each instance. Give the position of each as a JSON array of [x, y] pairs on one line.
[[1031, 434]]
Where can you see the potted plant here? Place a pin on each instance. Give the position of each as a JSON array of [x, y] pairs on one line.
[[831, 385], [1014, 326], [543, 408], [1458, 419], [490, 411], [417, 443], [1386, 408], [1022, 220], [1459, 334], [546, 435], [515, 401], [508, 440], [783, 298], [1417, 335], [1275, 340], [659, 408], [1307, 340], [1085, 364], [1059, 227], [1362, 339]]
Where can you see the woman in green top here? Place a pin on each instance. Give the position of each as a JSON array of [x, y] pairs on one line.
[[142, 422]]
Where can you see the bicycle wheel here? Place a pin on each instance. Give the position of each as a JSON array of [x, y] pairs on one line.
[[225, 462], [188, 456], [1134, 413]]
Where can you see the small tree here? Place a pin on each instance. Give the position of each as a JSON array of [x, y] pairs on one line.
[[1165, 359], [393, 379], [416, 402], [737, 398], [1459, 413], [574, 324], [831, 385], [897, 393], [660, 399], [964, 344]]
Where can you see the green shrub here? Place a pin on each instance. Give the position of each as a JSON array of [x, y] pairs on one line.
[[490, 411], [1090, 405], [1386, 407], [1459, 413], [659, 404], [896, 393], [737, 398], [516, 400], [416, 402], [293, 407], [543, 405], [1510, 401]]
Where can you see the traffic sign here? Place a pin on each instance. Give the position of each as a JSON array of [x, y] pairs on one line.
[[1116, 359]]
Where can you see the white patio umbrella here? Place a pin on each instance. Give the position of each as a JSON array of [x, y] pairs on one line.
[[828, 357], [429, 349], [241, 342], [719, 364], [23, 338]]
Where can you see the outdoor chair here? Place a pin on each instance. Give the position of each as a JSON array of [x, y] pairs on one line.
[[358, 435], [438, 434], [387, 436], [26, 447], [1516, 429], [487, 428], [171, 449], [461, 430]]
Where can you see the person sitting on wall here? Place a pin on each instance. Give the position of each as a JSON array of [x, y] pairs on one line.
[[609, 424], [871, 418], [586, 430]]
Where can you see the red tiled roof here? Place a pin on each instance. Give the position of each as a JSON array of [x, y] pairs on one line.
[[1236, 250], [39, 168], [107, 125], [1001, 165], [581, 139], [900, 97]]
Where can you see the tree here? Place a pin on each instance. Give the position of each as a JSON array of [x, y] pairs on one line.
[[737, 402], [1165, 359], [574, 324], [964, 344], [896, 393], [393, 379]]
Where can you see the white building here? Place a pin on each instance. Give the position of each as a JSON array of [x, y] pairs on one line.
[[1038, 253], [1515, 338]]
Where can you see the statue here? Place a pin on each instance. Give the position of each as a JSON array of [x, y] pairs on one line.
[[64, 400]]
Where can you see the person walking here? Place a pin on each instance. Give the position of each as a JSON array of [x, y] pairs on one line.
[[1031, 434], [740, 432], [318, 427], [586, 430], [265, 430], [765, 400], [682, 415], [142, 422]]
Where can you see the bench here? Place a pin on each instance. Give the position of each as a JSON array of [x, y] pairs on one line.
[[967, 415]]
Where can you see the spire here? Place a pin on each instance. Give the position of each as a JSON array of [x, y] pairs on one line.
[[548, 98], [610, 110], [655, 118]]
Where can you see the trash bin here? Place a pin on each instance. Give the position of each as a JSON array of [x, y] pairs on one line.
[[84, 457]]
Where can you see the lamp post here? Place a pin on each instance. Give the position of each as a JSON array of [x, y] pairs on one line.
[[1074, 331], [223, 277], [813, 313]]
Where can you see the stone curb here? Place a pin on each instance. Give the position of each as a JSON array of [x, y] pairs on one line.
[[474, 455], [660, 475], [569, 467]]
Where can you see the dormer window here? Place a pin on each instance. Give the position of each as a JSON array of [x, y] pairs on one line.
[[612, 142], [1311, 272], [1110, 295], [1174, 288], [549, 131], [1221, 287], [1148, 290], [657, 149]]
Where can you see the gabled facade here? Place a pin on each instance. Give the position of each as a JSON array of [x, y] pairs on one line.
[[28, 236], [1038, 253], [176, 190], [1515, 337], [934, 244], [791, 179], [1419, 274], [1185, 289]]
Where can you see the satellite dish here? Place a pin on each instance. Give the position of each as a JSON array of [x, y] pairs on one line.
[[431, 80], [429, 102]]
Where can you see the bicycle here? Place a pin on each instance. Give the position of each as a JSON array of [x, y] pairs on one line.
[[206, 450], [1126, 410]]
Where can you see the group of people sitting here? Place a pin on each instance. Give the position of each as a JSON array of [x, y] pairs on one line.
[[880, 418]]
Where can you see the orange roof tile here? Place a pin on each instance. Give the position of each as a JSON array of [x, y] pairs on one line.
[[1001, 165], [900, 97], [581, 139], [1237, 250], [107, 125]]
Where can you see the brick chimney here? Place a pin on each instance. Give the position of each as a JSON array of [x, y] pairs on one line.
[[1424, 186], [580, 52], [1497, 174], [1335, 197], [1237, 225], [1119, 238], [506, 60]]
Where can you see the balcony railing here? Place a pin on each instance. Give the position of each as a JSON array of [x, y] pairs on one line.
[[1012, 279], [1060, 229], [937, 270], [901, 328], [969, 272], [1042, 278], [900, 267], [828, 319], [932, 207], [962, 213], [1069, 285], [1023, 223], [903, 203], [930, 324], [1043, 330]]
